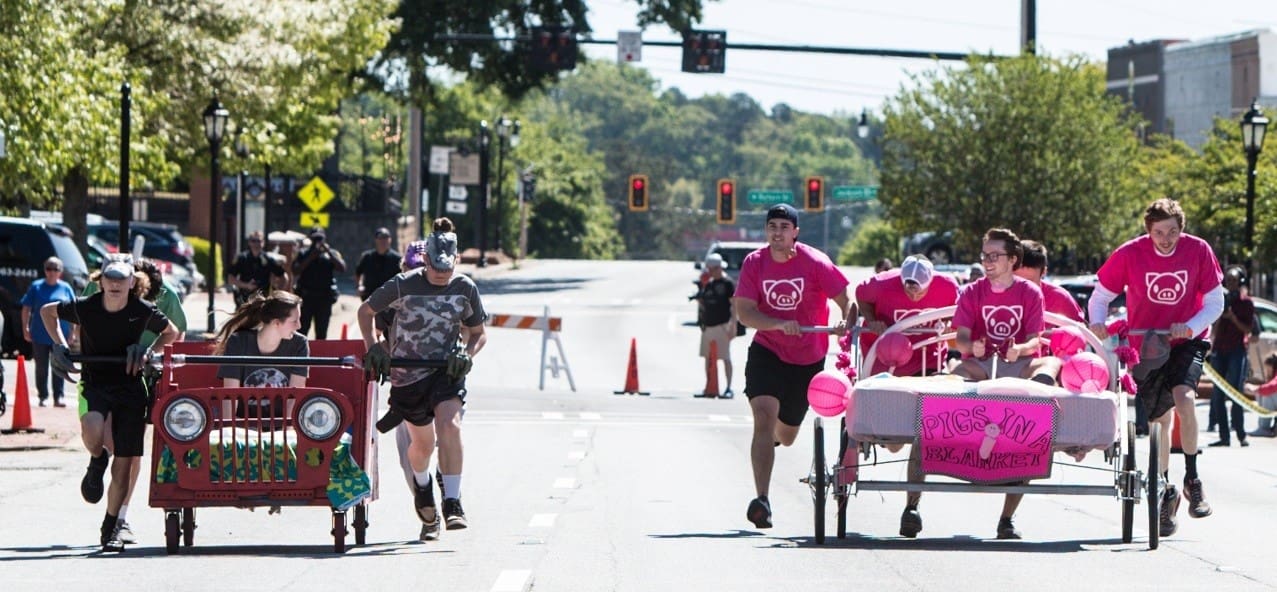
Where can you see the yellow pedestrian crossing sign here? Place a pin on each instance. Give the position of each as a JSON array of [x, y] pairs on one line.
[[315, 195], [313, 219]]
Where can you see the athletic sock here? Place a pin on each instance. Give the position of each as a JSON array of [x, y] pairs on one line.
[[422, 478], [108, 526], [452, 485], [1190, 466], [123, 510]]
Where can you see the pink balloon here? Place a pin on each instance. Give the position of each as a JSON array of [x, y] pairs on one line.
[[827, 393], [1085, 372], [894, 349], [1066, 341]]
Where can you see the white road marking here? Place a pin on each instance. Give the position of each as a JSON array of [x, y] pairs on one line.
[[565, 483], [580, 434], [542, 520], [552, 415], [590, 415], [719, 418], [576, 455], [511, 580]]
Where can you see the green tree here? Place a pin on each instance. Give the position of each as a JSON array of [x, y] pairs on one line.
[[873, 240], [1031, 143]]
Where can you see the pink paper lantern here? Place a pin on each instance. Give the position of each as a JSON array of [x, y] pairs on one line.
[[827, 393], [894, 349], [1066, 341], [1085, 372]]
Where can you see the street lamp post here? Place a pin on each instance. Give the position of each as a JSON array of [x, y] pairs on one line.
[[215, 116], [1254, 124], [862, 128], [485, 137], [243, 151], [506, 130], [269, 198]]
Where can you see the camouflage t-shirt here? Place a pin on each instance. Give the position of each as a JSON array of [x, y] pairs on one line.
[[428, 318]]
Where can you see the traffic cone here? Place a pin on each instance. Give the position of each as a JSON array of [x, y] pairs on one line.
[[711, 372], [631, 373], [1175, 437], [343, 331], [22, 403]]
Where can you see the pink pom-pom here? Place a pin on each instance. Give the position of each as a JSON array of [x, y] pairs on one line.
[[844, 342], [1119, 328], [1127, 355], [850, 371], [842, 361], [827, 393], [1128, 384]]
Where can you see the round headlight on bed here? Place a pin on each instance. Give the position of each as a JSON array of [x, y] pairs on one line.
[[320, 418], [184, 419]]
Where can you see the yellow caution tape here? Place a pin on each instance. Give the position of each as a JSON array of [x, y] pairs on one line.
[[1232, 393]]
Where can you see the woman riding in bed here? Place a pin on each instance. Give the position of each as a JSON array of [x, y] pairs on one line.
[[263, 326]]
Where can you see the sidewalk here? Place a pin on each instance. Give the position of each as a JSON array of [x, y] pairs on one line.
[[62, 424]]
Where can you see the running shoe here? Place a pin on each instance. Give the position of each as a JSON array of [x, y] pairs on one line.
[[1006, 529], [759, 512], [1170, 506], [111, 542], [727, 394], [910, 522], [1197, 506], [423, 500], [91, 487], [453, 515], [125, 533]]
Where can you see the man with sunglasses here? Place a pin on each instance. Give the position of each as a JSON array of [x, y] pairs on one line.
[[1173, 285], [52, 289], [998, 324], [252, 271]]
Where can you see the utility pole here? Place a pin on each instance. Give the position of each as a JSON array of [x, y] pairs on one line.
[[1029, 26]]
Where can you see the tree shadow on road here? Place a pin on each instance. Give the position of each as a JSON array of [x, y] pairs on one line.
[[528, 286], [306, 551], [955, 543]]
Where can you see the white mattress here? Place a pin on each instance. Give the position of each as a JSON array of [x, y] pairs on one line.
[[884, 408]]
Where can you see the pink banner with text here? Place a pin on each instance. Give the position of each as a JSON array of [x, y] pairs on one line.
[[987, 439]]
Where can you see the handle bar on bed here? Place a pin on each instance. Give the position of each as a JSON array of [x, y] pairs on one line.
[[183, 359]]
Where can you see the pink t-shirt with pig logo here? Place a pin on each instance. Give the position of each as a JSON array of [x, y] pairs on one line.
[[799, 290], [1161, 289], [1010, 315]]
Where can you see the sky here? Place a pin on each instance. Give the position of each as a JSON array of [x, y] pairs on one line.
[[832, 84]]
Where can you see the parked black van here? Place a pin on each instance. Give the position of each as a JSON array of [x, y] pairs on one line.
[[24, 246]]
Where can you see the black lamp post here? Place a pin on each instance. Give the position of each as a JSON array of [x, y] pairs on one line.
[[485, 138], [862, 128], [269, 198], [215, 116], [506, 130], [1254, 124]]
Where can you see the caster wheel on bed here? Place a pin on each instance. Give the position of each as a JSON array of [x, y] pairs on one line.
[[339, 531], [1130, 487], [172, 532], [361, 524], [819, 481], [1154, 484], [188, 526]]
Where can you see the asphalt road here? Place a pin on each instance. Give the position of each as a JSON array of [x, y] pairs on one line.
[[588, 490]]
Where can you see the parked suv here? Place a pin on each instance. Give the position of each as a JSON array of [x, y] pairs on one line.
[[24, 246], [733, 254], [163, 242]]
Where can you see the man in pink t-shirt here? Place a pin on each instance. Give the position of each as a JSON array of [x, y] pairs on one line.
[[783, 287], [897, 294], [998, 325], [1054, 298], [1173, 286]]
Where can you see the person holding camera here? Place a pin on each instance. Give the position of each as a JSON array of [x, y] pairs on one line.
[[1228, 356], [317, 268]]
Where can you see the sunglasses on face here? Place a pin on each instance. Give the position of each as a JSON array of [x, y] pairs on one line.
[[53, 269]]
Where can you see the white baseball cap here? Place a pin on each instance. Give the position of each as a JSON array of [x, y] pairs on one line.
[[714, 260], [917, 269]]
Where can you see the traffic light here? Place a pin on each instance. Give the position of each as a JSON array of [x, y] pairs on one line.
[[553, 49], [726, 201], [704, 51], [638, 193], [529, 188], [815, 201]]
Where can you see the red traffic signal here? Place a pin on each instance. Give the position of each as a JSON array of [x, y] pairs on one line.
[[725, 206], [815, 199], [638, 193]]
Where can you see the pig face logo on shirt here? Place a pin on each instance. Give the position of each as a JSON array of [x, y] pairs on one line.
[[783, 294], [1002, 322], [1166, 288]]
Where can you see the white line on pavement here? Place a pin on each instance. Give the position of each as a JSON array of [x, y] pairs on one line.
[[590, 415], [552, 415], [578, 434], [542, 520], [511, 580], [576, 455], [565, 483], [719, 418]]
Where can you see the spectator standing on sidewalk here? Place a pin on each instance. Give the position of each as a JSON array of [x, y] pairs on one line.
[[1228, 354], [376, 265], [316, 269], [253, 271], [717, 322], [52, 289]]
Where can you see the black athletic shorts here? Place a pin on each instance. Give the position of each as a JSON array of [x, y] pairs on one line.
[[126, 404], [1183, 366], [416, 402], [767, 376]]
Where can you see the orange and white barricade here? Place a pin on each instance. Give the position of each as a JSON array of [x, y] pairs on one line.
[[549, 327]]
